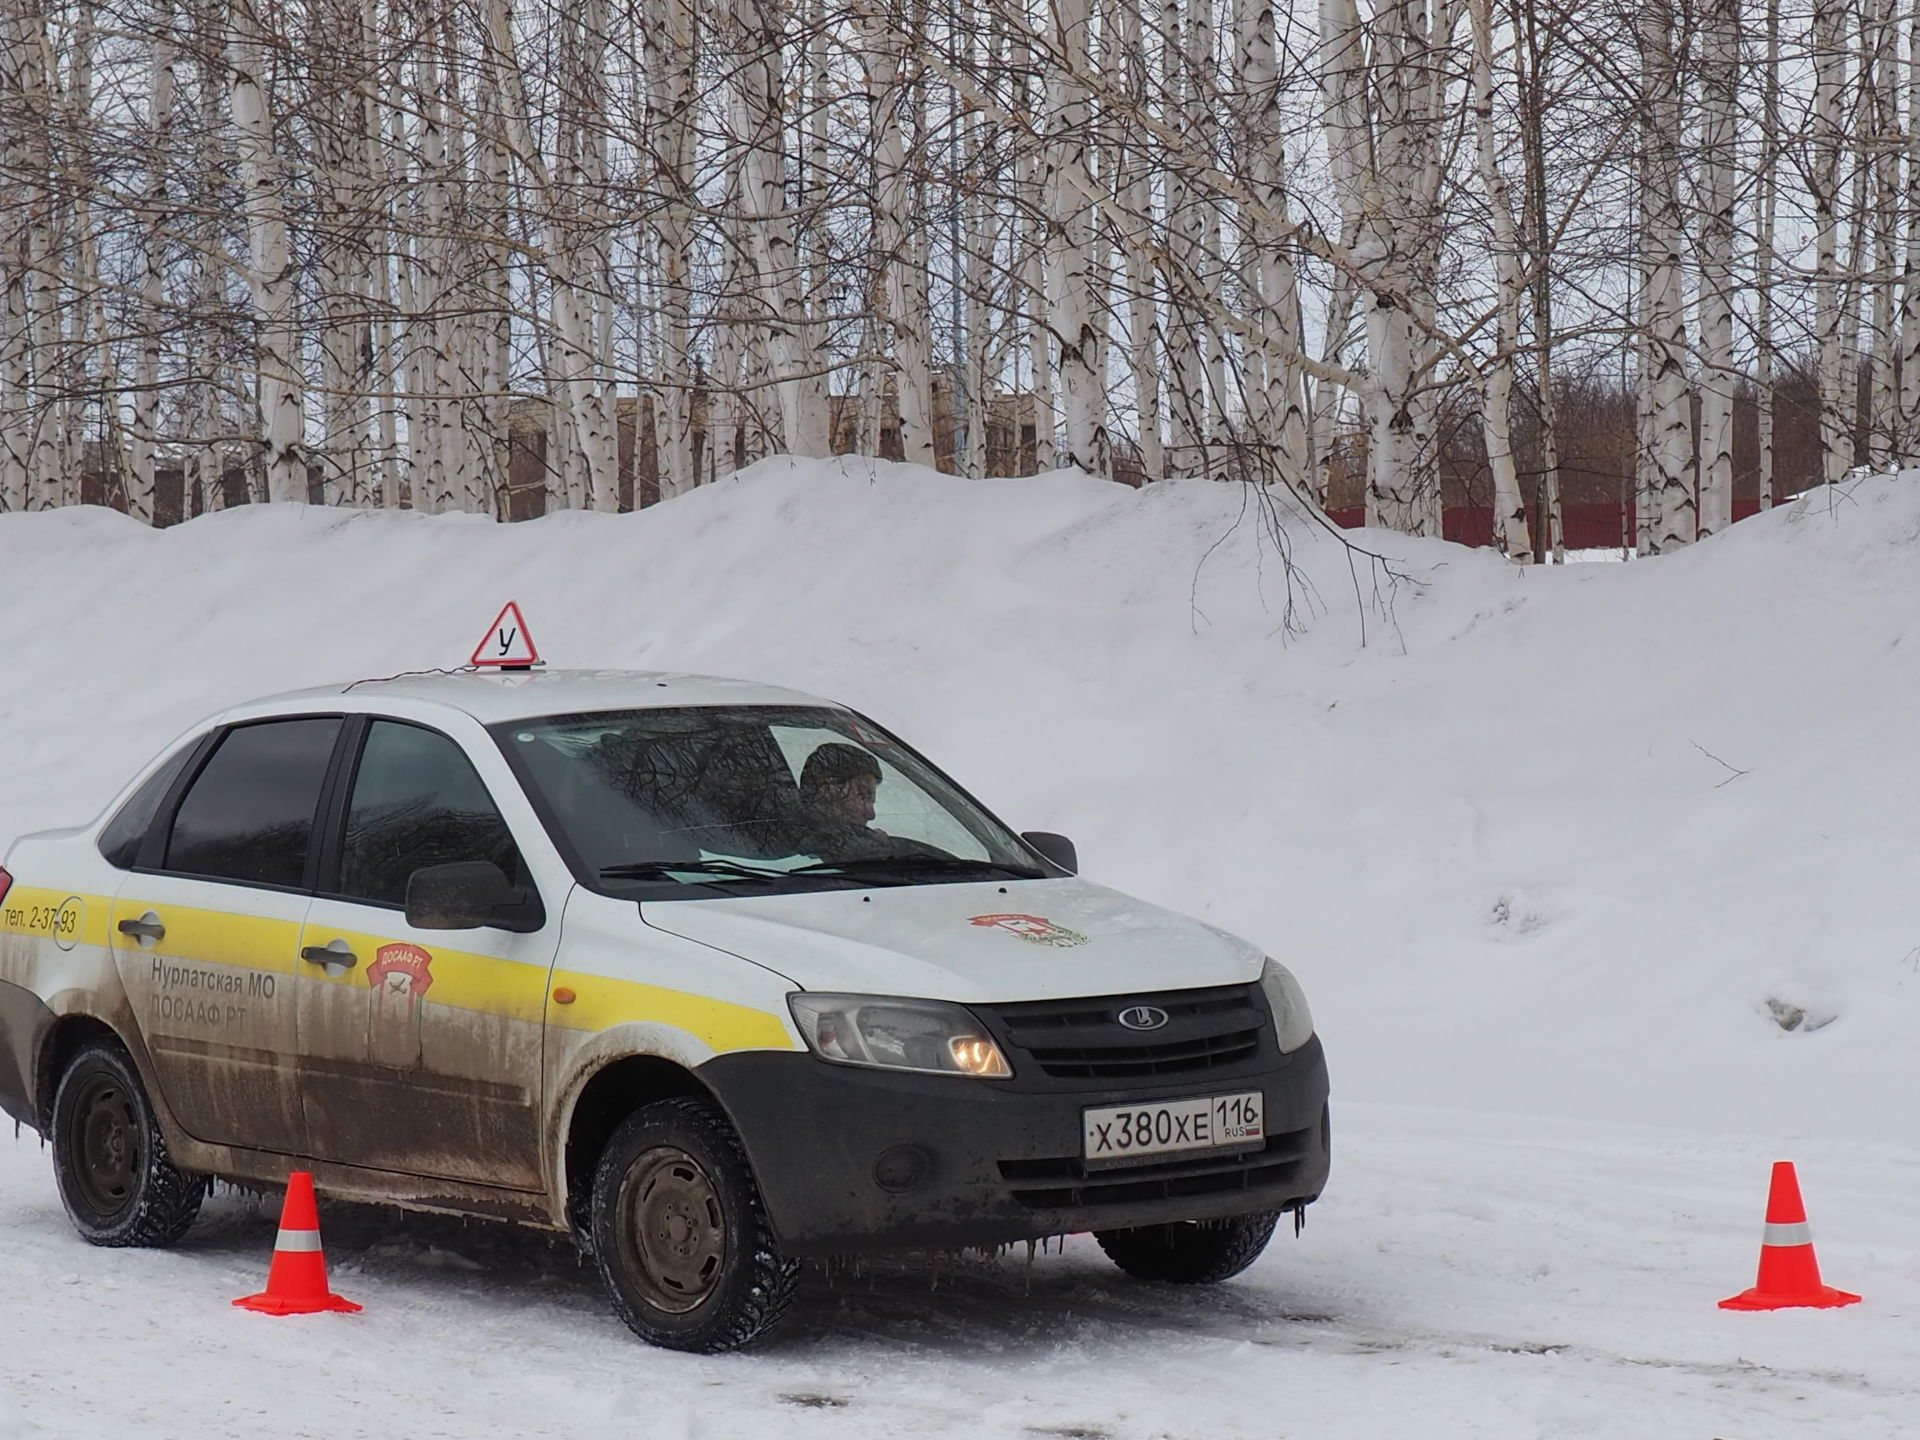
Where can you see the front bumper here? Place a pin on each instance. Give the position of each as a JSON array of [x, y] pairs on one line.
[[854, 1160]]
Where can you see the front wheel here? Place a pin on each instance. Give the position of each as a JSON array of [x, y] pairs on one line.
[[681, 1236], [110, 1160], [1189, 1252]]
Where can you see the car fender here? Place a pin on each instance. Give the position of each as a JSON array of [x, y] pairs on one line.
[[592, 1057]]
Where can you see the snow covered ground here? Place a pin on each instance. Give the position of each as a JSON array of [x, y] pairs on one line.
[[1556, 852]]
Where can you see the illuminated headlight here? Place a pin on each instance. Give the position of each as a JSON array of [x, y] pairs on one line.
[[1292, 1021], [887, 1034]]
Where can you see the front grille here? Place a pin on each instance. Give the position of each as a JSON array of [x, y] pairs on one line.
[[1082, 1040], [1065, 1183]]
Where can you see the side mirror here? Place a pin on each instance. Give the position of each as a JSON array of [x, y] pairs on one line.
[[1057, 850], [467, 895]]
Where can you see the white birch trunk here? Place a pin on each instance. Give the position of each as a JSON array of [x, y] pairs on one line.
[[760, 83], [1136, 203], [95, 365], [582, 420], [905, 283], [1674, 517], [346, 251], [1074, 295], [1327, 396], [981, 246], [1185, 350], [671, 39], [1039, 346], [18, 56], [597, 405], [202, 473], [1281, 428], [1209, 359], [1496, 396], [430, 339], [821, 91], [1823, 181], [1909, 353], [496, 290], [269, 271], [153, 262], [46, 468], [378, 164], [1719, 83], [1883, 396], [1391, 197], [1029, 244], [1763, 260]]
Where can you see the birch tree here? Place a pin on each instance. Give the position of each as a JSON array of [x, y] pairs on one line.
[[153, 277], [1075, 296], [269, 270], [1496, 398], [1669, 516], [1719, 83], [1823, 182]]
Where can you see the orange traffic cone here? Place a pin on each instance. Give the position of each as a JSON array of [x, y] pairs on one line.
[[1789, 1275], [297, 1279]]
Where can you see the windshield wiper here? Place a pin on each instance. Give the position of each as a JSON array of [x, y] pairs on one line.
[[912, 864], [674, 869]]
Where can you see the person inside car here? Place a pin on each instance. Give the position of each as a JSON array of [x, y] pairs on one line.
[[838, 784]]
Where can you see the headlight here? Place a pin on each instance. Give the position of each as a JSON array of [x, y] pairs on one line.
[[888, 1034], [1292, 1021]]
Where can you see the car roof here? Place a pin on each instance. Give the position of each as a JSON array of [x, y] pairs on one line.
[[492, 698]]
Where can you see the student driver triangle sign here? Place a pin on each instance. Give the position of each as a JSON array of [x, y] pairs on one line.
[[507, 643]]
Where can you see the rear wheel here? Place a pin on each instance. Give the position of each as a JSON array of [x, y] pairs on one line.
[[1190, 1252], [110, 1159], [681, 1236]]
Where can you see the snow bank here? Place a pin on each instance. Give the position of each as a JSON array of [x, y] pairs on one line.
[[1574, 841]]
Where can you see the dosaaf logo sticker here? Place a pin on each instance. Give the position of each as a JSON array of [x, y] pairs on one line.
[[1034, 929], [401, 974]]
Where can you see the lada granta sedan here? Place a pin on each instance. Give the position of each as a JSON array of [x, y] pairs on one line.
[[712, 975]]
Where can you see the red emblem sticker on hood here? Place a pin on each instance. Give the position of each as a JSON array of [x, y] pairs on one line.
[[1034, 929]]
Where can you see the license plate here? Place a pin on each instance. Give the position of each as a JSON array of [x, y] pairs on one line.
[[1128, 1134]]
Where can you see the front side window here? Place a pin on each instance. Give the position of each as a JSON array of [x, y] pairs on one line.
[[417, 801], [676, 804], [249, 814]]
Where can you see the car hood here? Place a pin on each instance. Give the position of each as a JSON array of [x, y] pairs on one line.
[[973, 943]]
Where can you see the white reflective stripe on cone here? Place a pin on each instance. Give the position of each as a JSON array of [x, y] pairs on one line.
[[1798, 1234], [304, 1240]]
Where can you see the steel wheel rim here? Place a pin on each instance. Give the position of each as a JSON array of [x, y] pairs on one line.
[[105, 1150], [673, 1233]]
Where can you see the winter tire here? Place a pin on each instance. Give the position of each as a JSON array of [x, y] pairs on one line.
[[681, 1236], [110, 1159], [1189, 1252]]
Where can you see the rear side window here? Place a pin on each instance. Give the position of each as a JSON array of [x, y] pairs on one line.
[[120, 839], [417, 801], [249, 814]]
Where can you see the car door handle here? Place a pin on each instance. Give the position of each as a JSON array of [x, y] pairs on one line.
[[334, 952], [146, 929]]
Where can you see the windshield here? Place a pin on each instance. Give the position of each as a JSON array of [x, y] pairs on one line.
[[750, 800]]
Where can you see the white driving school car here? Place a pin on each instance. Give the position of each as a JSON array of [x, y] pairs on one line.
[[713, 975]]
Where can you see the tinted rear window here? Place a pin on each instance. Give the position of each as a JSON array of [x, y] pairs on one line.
[[121, 837], [249, 815]]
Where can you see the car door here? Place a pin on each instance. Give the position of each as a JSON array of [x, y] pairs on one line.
[[206, 930], [420, 1050]]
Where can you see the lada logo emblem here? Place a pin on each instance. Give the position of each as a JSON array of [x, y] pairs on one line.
[[1142, 1017]]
